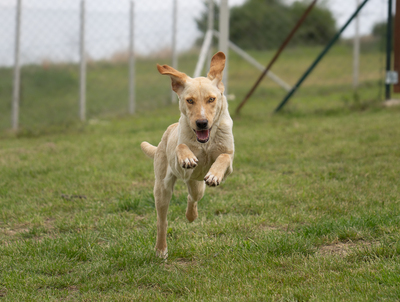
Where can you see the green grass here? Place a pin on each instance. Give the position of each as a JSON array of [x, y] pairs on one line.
[[311, 212]]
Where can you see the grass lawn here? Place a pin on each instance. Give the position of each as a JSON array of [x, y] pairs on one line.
[[311, 212]]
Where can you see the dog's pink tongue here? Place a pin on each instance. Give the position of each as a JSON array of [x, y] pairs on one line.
[[203, 134]]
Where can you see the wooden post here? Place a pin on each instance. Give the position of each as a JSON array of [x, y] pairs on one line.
[[396, 67]]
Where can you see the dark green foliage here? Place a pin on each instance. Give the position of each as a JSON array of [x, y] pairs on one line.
[[318, 28], [379, 32], [379, 29], [263, 24]]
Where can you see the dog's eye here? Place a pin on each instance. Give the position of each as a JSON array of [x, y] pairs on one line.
[[190, 101], [210, 100]]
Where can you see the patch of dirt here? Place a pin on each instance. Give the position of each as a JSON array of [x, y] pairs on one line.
[[266, 227], [140, 217], [73, 288], [179, 263], [143, 184], [342, 248], [49, 222], [71, 197], [185, 261], [49, 145], [26, 228], [15, 231], [391, 103]]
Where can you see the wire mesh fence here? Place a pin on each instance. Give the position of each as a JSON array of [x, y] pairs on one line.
[[50, 52], [50, 46], [354, 62]]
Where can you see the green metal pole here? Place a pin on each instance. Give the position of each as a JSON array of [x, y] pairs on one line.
[[388, 50], [320, 56]]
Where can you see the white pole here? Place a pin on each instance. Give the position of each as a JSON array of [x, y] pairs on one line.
[[132, 104], [174, 34], [203, 53], [255, 63], [210, 27], [356, 49], [82, 83], [17, 69], [224, 38]]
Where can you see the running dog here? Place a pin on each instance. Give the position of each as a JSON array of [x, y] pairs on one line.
[[199, 149]]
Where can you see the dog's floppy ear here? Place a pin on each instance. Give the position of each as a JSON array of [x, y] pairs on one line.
[[216, 68], [178, 79]]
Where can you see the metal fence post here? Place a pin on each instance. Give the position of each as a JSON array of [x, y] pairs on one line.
[[132, 104], [319, 57], [388, 81], [224, 38], [17, 73], [356, 49], [173, 49], [210, 26], [396, 49], [82, 82]]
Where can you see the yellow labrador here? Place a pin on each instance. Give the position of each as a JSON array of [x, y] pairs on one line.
[[198, 149]]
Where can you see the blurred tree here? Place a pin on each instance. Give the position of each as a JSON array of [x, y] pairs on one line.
[[263, 24], [317, 29], [379, 32], [202, 22]]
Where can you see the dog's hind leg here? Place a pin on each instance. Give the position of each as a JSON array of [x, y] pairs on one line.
[[196, 192], [163, 189]]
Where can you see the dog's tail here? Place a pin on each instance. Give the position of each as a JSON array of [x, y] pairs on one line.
[[148, 149]]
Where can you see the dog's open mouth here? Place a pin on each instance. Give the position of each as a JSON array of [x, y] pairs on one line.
[[203, 135]]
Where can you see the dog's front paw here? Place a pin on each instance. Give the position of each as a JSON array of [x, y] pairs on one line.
[[212, 180], [189, 163], [163, 254]]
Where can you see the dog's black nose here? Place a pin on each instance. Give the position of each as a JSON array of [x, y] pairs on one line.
[[202, 124]]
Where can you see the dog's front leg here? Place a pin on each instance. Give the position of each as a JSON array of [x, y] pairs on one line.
[[186, 158], [221, 168]]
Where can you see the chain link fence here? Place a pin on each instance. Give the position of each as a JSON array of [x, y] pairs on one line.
[[171, 32], [50, 55], [350, 75]]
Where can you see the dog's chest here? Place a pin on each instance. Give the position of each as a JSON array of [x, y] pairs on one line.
[[206, 159]]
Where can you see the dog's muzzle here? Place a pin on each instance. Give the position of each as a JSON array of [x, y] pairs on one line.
[[203, 132], [203, 135]]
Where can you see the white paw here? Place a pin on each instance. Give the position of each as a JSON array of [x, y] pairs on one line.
[[212, 180], [162, 254], [189, 163]]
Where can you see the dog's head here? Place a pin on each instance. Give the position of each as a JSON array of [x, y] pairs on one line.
[[200, 99]]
